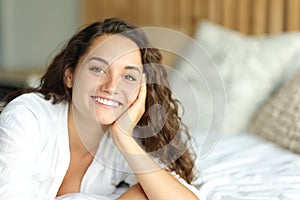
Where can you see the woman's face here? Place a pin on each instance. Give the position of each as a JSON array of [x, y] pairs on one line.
[[107, 79]]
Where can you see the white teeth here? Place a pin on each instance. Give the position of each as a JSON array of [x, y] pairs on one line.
[[107, 102]]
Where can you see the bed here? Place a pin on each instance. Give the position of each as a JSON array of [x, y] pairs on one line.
[[249, 167], [250, 148]]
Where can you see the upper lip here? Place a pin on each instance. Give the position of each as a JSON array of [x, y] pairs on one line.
[[106, 101]]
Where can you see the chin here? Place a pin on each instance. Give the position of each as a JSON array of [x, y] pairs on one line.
[[105, 121], [107, 117]]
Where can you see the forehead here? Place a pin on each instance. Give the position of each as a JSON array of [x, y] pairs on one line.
[[112, 47]]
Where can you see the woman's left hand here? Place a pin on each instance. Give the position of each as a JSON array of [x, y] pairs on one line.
[[122, 128]]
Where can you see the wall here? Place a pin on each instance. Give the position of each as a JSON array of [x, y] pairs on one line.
[[254, 17], [32, 29]]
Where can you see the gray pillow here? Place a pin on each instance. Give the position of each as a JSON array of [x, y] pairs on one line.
[[279, 118]]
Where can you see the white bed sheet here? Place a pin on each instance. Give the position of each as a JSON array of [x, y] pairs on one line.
[[248, 167]]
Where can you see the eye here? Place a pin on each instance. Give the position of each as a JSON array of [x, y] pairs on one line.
[[97, 69], [129, 77]]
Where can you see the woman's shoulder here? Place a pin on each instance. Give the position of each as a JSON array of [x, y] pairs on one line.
[[31, 97], [35, 106], [31, 111], [35, 102]]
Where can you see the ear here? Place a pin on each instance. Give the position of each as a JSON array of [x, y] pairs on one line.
[[68, 77]]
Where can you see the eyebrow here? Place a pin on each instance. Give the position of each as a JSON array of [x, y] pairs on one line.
[[132, 68], [99, 59], [129, 67]]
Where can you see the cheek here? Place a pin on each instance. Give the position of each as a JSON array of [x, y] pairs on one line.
[[83, 87], [83, 83]]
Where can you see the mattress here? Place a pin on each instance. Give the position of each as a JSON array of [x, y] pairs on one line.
[[248, 167]]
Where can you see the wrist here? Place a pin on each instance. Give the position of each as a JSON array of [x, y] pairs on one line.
[[126, 143]]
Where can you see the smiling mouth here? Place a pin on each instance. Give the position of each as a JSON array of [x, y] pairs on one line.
[[106, 102]]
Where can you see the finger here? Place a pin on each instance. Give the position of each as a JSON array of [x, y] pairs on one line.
[[143, 90], [138, 107], [130, 118]]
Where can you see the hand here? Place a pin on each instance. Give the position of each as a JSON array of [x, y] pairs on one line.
[[134, 192], [123, 127]]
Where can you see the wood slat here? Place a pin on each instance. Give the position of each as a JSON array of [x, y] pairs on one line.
[[214, 11], [200, 9], [169, 13], [105, 13], [157, 8], [186, 16], [292, 15], [243, 19], [259, 17], [229, 14], [275, 16], [134, 15], [88, 11], [144, 13], [200, 12]]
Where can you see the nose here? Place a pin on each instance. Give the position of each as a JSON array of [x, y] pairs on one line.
[[109, 84]]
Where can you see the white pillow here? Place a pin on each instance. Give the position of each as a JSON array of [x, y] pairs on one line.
[[251, 67]]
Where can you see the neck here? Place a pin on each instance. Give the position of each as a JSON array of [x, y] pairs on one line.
[[84, 134]]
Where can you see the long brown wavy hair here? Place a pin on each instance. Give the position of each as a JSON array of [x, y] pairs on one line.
[[169, 143]]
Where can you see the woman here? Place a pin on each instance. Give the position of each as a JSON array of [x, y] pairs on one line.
[[86, 129]]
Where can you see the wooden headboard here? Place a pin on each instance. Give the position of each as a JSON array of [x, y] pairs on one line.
[[255, 17]]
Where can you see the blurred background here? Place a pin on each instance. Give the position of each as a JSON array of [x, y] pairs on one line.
[[254, 46], [32, 31]]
